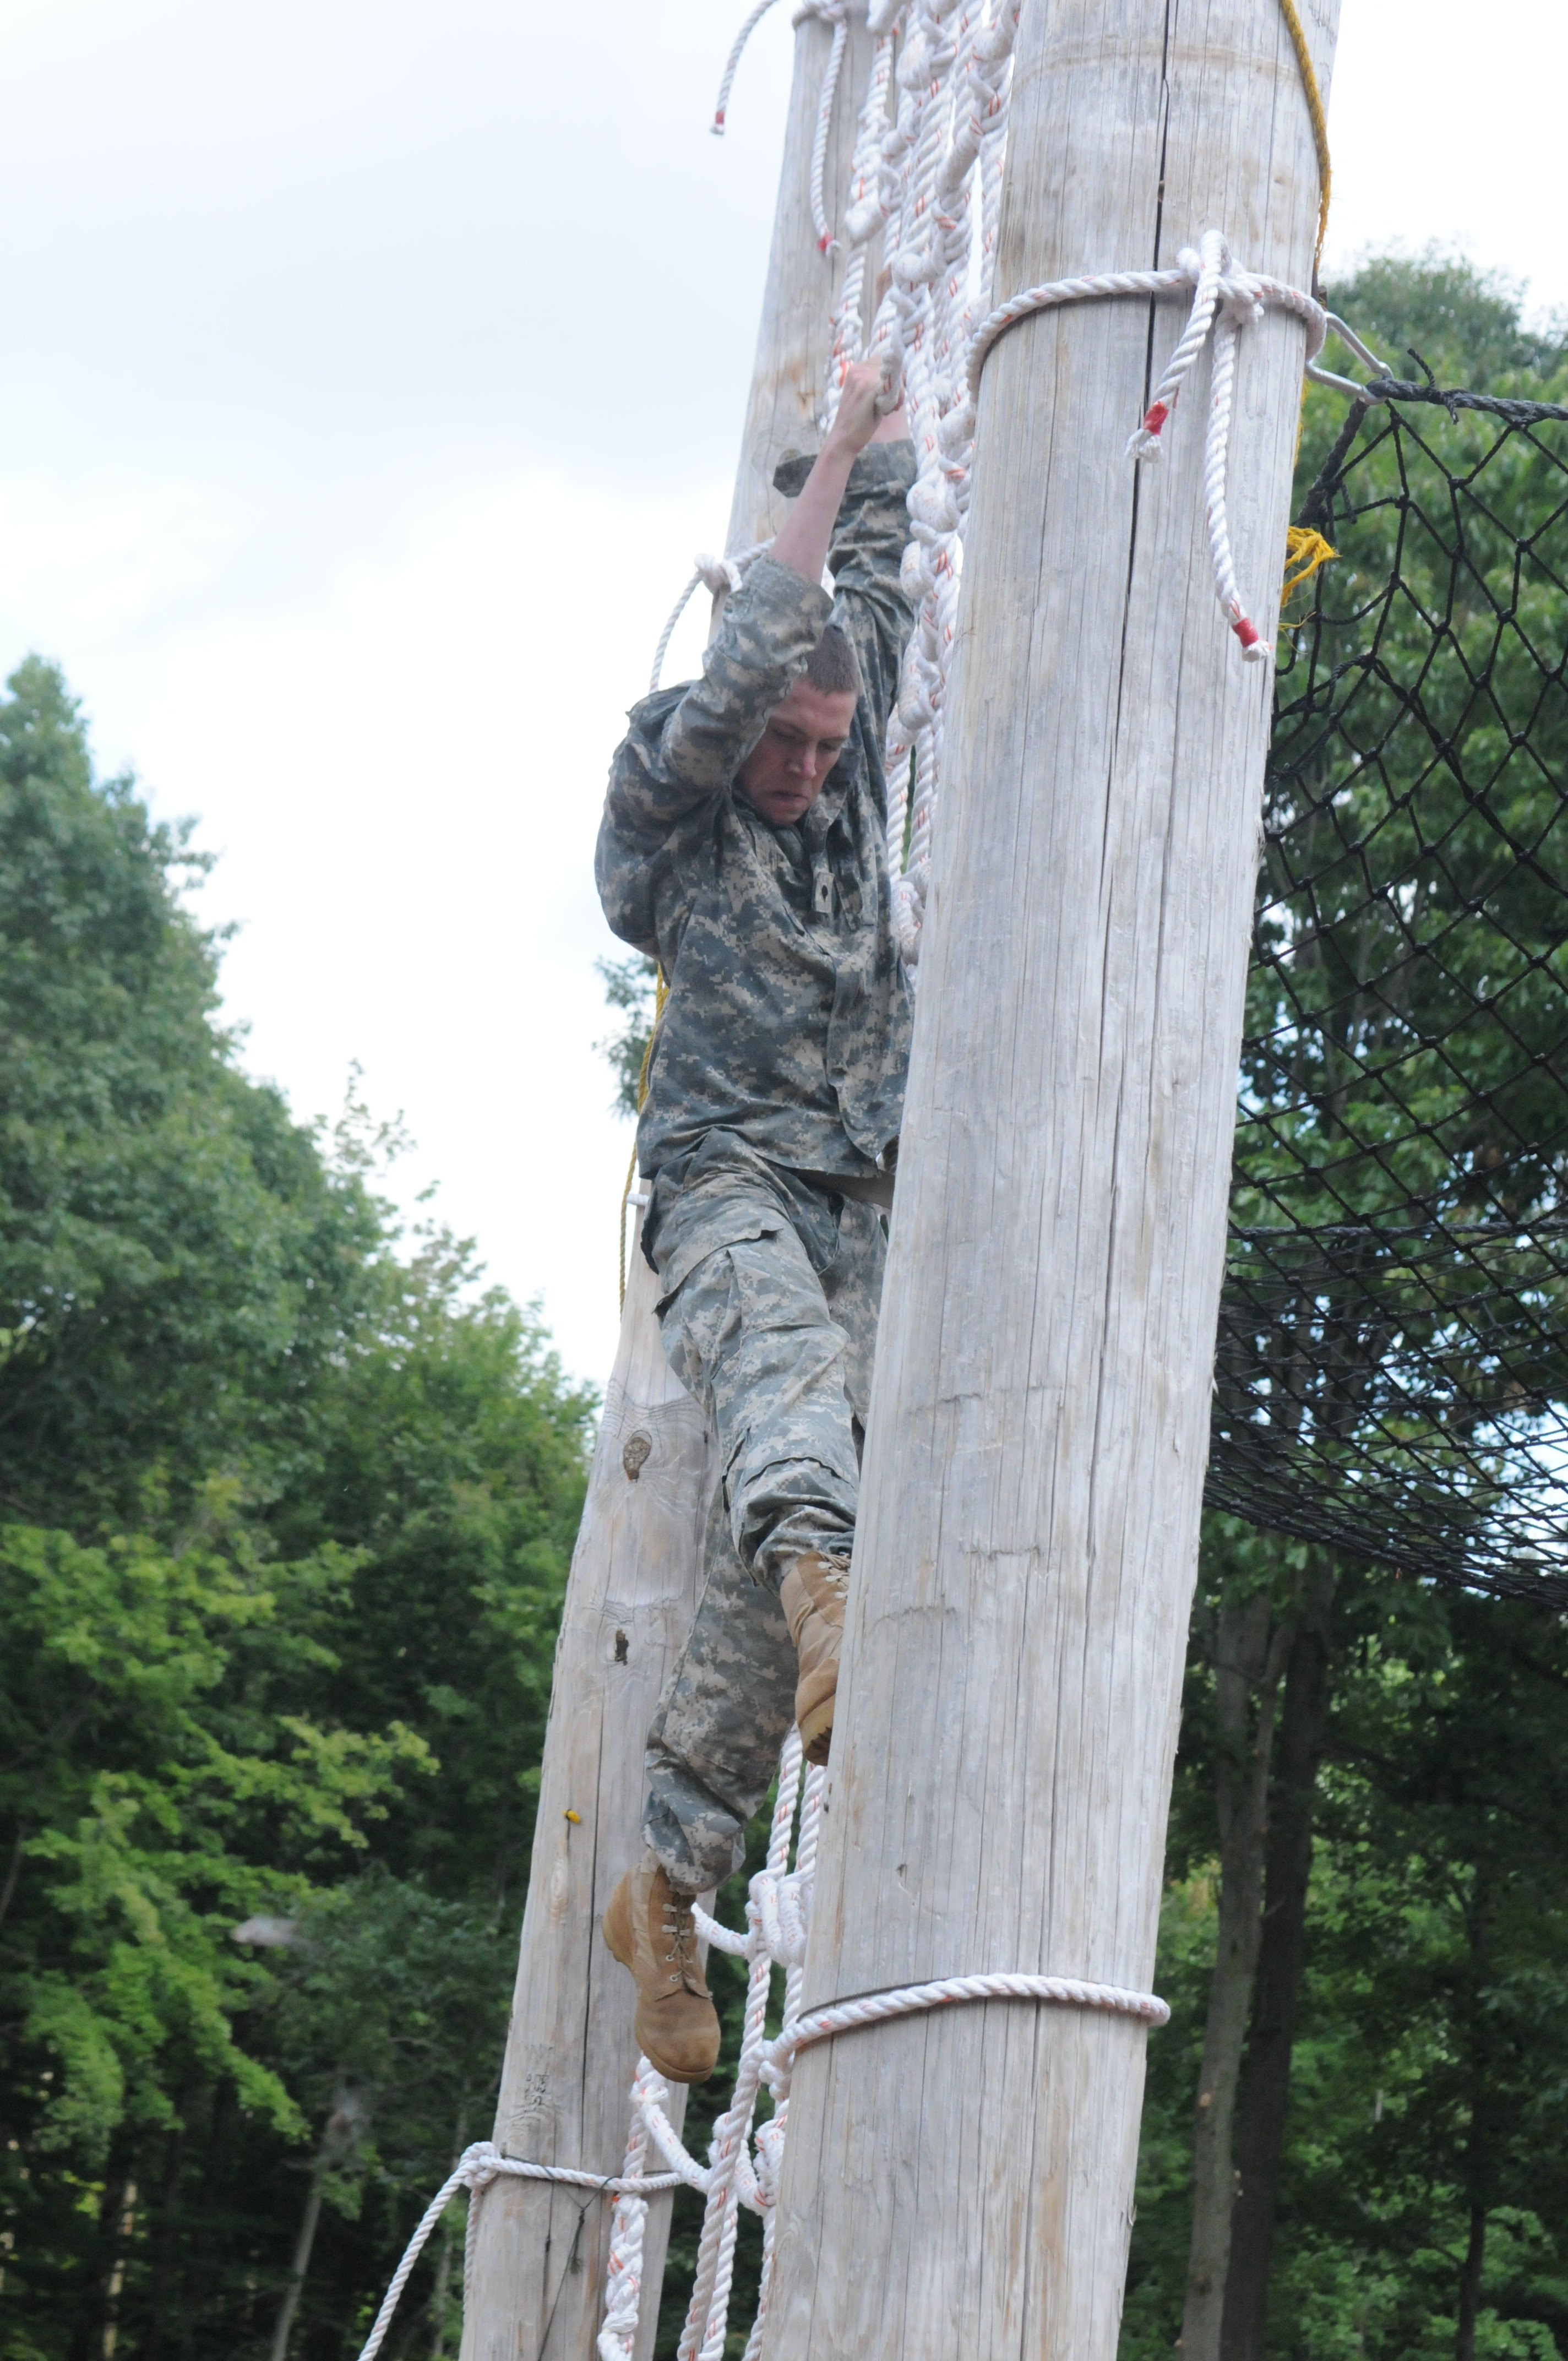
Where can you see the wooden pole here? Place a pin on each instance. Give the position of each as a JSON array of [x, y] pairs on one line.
[[538, 2285], [962, 2181], [788, 378]]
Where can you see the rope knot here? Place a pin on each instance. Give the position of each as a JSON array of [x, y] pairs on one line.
[[716, 575], [480, 2165], [781, 1906]]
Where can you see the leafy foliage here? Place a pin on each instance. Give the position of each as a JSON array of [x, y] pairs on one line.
[[1394, 1361], [1431, 2066], [1391, 1364], [288, 1505], [629, 986]]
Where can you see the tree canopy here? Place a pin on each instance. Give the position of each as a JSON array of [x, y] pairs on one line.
[[289, 1499]]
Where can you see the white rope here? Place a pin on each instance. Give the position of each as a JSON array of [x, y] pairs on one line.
[[943, 160], [1225, 299], [475, 2170], [864, 211], [745, 2159], [727, 83], [623, 2276], [912, 2000], [830, 12], [715, 574], [836, 13]]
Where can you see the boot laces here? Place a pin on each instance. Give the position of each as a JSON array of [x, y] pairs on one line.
[[680, 1930]]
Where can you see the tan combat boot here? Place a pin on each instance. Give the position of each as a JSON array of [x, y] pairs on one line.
[[649, 1928], [812, 1595]]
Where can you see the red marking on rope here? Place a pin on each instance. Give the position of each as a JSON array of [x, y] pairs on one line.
[[718, 119], [824, 242], [1155, 417], [1246, 632]]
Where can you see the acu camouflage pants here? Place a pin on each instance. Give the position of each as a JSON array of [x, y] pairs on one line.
[[769, 1320]]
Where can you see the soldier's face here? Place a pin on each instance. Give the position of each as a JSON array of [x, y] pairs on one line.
[[785, 771]]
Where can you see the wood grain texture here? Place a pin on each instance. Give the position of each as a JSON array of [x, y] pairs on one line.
[[794, 339], [962, 2182], [539, 2279]]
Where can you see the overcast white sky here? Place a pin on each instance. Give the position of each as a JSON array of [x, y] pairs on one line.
[[371, 373]]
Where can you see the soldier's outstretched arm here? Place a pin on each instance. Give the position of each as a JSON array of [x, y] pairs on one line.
[[802, 540], [870, 537], [774, 620], [678, 755]]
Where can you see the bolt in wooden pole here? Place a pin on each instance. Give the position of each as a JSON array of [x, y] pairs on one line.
[[538, 2286], [962, 2182]]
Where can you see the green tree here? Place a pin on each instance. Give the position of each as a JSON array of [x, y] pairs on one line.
[[1462, 322], [1393, 1335], [1425, 2201], [176, 1261], [157, 1786], [631, 987], [291, 1502]]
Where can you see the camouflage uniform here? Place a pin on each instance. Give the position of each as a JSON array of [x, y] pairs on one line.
[[774, 1094]]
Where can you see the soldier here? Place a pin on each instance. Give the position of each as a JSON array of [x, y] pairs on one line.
[[743, 847]]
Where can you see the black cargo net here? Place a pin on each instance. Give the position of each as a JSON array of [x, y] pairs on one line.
[[1393, 1358]]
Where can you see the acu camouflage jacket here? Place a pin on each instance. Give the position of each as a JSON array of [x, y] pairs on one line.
[[788, 1017]]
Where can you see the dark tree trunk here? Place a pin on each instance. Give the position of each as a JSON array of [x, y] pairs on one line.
[[1249, 1656], [443, 2259], [92, 2331], [201, 2257], [1260, 2139], [1478, 2145], [304, 2245], [341, 2128], [166, 2232], [1470, 2285], [14, 1870]]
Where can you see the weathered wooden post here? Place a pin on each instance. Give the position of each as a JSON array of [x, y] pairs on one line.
[[961, 2182], [538, 2285], [787, 376]]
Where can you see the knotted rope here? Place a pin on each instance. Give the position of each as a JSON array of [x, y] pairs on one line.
[[941, 158], [475, 2168], [743, 2160], [1225, 299]]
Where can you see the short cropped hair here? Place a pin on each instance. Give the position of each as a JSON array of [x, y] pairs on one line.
[[831, 668]]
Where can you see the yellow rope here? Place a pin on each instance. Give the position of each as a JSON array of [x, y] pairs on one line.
[[1306, 550], [1320, 127], [661, 994]]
